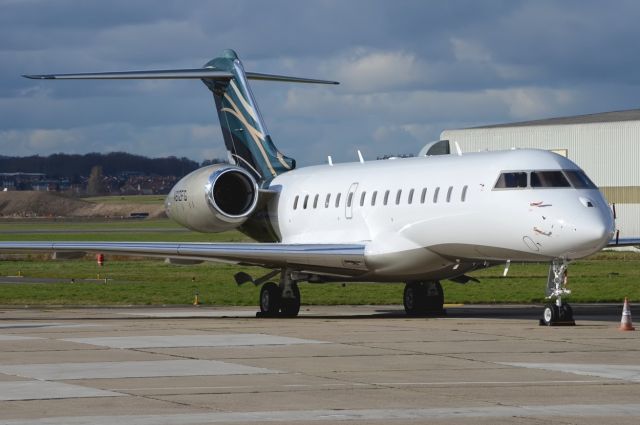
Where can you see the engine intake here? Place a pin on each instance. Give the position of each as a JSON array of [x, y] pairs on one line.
[[213, 199], [232, 192]]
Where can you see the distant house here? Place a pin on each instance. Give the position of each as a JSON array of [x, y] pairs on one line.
[[20, 181], [148, 185]]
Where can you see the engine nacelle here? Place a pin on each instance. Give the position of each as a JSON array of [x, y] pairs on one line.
[[213, 199]]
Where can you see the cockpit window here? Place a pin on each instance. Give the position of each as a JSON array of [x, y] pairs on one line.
[[544, 179], [549, 179], [512, 180], [579, 179]]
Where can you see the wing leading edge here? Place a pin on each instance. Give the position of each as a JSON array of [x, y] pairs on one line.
[[347, 259], [624, 242]]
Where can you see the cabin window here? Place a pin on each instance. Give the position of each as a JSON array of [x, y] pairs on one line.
[[579, 180], [449, 193], [364, 194], [511, 180], [386, 197], [306, 200], [373, 198], [315, 201], [327, 201], [338, 200], [349, 199], [435, 195], [423, 197], [548, 179], [463, 197], [295, 202], [398, 195], [410, 200]]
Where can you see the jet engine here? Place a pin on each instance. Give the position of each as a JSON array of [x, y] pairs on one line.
[[213, 199]]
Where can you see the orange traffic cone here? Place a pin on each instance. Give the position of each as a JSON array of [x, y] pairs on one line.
[[625, 323]]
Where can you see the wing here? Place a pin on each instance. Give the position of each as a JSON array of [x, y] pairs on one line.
[[340, 259], [623, 242]]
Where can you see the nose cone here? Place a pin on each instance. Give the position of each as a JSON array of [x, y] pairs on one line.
[[593, 231], [599, 234]]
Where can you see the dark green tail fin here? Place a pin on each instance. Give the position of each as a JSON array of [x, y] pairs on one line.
[[245, 134]]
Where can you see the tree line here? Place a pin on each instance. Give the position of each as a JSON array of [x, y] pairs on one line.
[[73, 166]]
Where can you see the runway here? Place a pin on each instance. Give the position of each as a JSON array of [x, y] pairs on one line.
[[364, 364]]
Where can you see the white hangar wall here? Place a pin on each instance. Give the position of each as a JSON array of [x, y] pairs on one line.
[[606, 146]]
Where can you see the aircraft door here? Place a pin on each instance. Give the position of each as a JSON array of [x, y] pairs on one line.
[[351, 199]]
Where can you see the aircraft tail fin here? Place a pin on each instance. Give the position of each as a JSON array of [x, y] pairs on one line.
[[245, 134]]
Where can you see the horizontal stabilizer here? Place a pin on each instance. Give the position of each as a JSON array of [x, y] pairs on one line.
[[284, 78], [175, 74], [140, 75]]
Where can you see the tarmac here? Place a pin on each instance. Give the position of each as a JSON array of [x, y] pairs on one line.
[[360, 364]]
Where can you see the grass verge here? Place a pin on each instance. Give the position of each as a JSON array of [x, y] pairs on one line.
[[607, 277]]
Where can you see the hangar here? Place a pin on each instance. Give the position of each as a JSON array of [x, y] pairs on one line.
[[605, 145]]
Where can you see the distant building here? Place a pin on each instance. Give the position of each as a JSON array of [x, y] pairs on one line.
[[606, 146], [51, 185], [129, 183], [20, 181], [147, 185]]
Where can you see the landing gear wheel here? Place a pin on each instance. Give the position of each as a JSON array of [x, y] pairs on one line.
[[434, 298], [423, 298], [566, 313], [270, 299], [290, 307], [413, 298], [550, 315], [557, 316]]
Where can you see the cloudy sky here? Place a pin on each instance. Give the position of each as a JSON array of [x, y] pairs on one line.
[[408, 70]]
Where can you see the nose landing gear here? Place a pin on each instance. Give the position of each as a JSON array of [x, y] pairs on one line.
[[557, 312]]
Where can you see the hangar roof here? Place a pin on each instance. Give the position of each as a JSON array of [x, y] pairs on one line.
[[615, 116]]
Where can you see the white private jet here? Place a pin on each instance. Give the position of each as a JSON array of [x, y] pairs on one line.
[[417, 220]]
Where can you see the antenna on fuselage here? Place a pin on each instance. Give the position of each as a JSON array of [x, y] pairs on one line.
[[360, 157], [330, 161]]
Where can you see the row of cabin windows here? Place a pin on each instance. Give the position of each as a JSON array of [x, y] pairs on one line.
[[374, 197]]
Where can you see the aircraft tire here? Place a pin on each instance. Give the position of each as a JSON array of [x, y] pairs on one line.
[[550, 314], [413, 298], [566, 312], [270, 299], [290, 307], [434, 297]]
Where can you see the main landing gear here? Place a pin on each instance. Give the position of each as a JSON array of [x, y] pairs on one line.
[[423, 298], [557, 312], [281, 300]]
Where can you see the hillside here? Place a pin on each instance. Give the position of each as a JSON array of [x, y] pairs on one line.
[[49, 204]]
